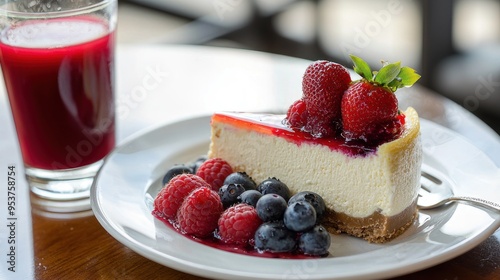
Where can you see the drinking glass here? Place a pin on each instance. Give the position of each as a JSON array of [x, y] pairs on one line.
[[57, 59]]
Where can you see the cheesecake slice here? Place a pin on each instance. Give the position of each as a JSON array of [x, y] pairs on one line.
[[370, 191]]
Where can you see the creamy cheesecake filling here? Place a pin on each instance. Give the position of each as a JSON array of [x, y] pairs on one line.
[[380, 184]]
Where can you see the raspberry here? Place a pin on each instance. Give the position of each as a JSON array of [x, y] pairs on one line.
[[199, 213], [297, 115], [214, 171], [323, 86], [170, 198], [237, 225]]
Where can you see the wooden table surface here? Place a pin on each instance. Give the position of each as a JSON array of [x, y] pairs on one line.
[[81, 249], [76, 246]]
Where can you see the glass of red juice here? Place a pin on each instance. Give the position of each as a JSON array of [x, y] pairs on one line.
[[57, 59]]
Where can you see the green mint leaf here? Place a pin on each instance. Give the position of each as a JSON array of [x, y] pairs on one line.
[[408, 76], [361, 67], [388, 73], [395, 84]]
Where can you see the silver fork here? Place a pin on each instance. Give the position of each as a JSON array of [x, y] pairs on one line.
[[434, 193]]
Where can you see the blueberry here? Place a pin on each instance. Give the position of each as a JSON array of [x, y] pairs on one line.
[[275, 237], [250, 197], [271, 207], [273, 185], [315, 241], [196, 164], [229, 194], [313, 198], [241, 178], [300, 216], [176, 170]]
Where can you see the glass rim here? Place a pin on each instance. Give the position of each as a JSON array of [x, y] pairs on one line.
[[55, 14]]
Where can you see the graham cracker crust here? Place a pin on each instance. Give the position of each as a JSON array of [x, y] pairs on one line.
[[375, 228]]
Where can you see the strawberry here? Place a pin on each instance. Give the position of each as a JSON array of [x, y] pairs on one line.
[[199, 213], [237, 225], [170, 198], [214, 171], [323, 86], [369, 106]]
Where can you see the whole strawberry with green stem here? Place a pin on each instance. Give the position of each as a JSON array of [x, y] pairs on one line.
[[370, 107]]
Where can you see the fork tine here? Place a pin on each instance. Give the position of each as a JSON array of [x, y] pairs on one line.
[[428, 185], [422, 191], [434, 189], [424, 188], [432, 183], [432, 178]]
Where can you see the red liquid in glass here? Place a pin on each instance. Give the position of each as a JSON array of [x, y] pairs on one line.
[[60, 84]]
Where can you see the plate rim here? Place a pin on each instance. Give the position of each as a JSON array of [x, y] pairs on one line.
[[187, 266]]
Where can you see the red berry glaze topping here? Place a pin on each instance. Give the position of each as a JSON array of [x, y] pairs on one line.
[[237, 225], [199, 213], [170, 198], [214, 171]]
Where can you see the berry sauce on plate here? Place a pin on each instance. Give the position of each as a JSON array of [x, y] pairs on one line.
[[247, 249]]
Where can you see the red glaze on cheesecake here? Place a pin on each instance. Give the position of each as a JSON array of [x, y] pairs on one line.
[[273, 125]]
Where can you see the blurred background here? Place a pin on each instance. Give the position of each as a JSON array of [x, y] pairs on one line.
[[454, 44]]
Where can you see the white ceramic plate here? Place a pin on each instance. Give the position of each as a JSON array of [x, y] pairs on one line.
[[124, 190]]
